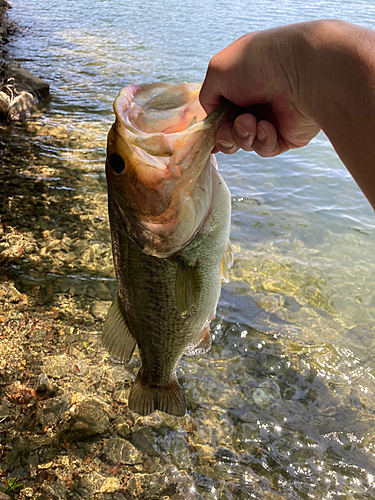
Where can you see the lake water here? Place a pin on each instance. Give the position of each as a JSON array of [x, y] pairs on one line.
[[289, 383]]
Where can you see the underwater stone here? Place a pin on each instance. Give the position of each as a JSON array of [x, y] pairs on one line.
[[19, 445], [145, 439], [119, 450], [90, 418], [81, 368], [122, 427], [225, 455], [266, 392], [57, 366], [53, 410], [99, 308], [110, 485]]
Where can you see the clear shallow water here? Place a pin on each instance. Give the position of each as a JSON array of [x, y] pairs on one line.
[[288, 385]]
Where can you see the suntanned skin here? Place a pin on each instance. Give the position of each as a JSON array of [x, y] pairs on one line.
[[314, 75]]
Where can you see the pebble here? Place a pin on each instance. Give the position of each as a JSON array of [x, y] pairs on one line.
[[99, 308], [53, 410], [110, 485], [57, 366], [89, 418], [119, 450]]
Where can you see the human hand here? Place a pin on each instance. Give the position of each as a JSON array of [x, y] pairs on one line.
[[268, 69]]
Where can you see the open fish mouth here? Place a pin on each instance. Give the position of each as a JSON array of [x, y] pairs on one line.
[[158, 151]]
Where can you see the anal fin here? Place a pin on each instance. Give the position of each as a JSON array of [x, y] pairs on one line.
[[203, 345], [227, 262], [116, 336], [145, 399]]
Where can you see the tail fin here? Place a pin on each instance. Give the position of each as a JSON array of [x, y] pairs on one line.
[[145, 399]]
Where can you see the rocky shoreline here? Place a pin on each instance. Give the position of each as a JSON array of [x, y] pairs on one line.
[[20, 90], [66, 432]]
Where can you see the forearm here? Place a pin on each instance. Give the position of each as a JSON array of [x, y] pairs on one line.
[[339, 93]]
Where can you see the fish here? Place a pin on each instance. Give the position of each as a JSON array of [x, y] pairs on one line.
[[169, 212]]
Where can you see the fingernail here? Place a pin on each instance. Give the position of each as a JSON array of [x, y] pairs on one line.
[[261, 135], [240, 131], [225, 144]]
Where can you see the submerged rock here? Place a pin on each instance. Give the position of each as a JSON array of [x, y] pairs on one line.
[[89, 418], [53, 410], [120, 451]]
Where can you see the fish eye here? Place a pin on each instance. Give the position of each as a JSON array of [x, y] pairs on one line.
[[117, 163]]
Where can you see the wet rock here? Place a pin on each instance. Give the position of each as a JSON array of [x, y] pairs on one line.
[[21, 105], [4, 103], [99, 309], [43, 385], [177, 450], [145, 439], [110, 485], [225, 455], [122, 427], [203, 478], [121, 395], [119, 374], [33, 460], [102, 291], [18, 447], [53, 410], [57, 490], [266, 393], [88, 484], [4, 411], [118, 450], [81, 368], [110, 496], [13, 294], [28, 82], [89, 418], [57, 366]]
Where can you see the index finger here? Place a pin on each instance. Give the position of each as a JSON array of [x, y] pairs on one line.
[[209, 95]]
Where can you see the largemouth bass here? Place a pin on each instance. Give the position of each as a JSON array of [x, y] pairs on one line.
[[169, 211]]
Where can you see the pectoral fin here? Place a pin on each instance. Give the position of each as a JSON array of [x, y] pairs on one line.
[[227, 262], [116, 336], [188, 286]]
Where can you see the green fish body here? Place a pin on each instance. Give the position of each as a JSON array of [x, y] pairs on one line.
[[169, 211]]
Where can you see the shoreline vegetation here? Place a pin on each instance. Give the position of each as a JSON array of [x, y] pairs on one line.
[[20, 90]]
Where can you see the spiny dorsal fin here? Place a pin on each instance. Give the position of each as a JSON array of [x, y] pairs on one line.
[[116, 336], [188, 286], [144, 399], [227, 262]]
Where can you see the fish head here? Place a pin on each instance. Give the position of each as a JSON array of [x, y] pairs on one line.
[[159, 165]]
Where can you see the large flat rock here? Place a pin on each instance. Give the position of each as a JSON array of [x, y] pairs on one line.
[[24, 80]]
